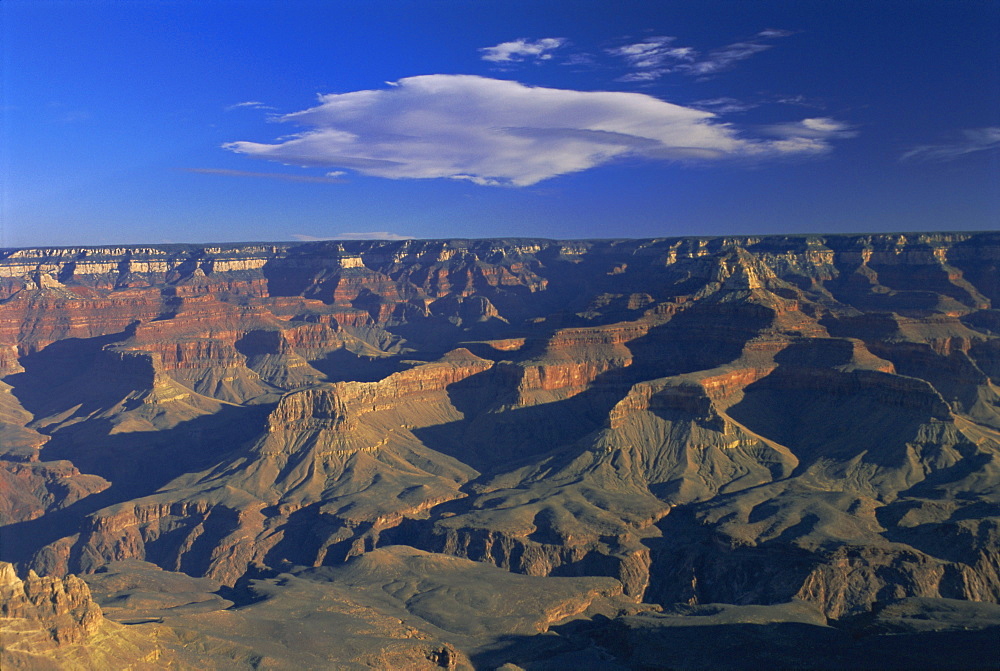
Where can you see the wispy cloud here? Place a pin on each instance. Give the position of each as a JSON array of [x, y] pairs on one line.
[[720, 60], [727, 105], [769, 33], [819, 127], [808, 135], [250, 104], [724, 105], [971, 141], [579, 59], [725, 58], [368, 235], [799, 101], [61, 113], [311, 179], [75, 116], [654, 57], [522, 49], [498, 132]]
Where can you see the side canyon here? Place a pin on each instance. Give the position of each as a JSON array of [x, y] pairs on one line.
[[517, 453]]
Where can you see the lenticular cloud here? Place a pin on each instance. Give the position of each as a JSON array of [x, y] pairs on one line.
[[499, 132]]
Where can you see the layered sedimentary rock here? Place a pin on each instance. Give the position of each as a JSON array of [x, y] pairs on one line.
[[746, 420], [53, 623]]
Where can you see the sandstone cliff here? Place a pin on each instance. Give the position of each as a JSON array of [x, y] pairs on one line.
[[52, 623], [741, 420]]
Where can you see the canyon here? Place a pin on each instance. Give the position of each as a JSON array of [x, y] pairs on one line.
[[681, 453]]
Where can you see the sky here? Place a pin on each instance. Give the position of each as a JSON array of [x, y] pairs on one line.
[[156, 121]]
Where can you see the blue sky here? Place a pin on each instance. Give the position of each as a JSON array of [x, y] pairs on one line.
[[196, 121]]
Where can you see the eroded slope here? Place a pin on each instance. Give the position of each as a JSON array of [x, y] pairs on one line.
[[727, 420]]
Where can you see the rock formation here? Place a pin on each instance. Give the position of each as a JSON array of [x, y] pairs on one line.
[[53, 623], [751, 421]]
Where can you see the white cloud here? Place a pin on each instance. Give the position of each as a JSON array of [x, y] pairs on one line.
[[369, 235], [727, 105], [330, 177], [522, 49], [656, 56], [250, 104], [808, 136], [820, 128], [75, 116], [654, 53], [373, 235], [972, 140], [799, 101], [644, 75], [498, 132], [309, 238], [771, 33], [579, 59], [725, 58], [724, 105]]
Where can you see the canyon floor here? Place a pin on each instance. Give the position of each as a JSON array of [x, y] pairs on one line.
[[687, 453]]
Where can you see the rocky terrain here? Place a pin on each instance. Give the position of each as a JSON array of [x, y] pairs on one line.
[[503, 454]]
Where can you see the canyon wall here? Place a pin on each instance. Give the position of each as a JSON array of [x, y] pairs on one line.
[[744, 420]]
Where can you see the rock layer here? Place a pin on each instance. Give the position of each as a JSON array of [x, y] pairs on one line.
[[742, 420]]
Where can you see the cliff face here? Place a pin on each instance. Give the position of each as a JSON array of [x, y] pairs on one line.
[[53, 623], [64, 604], [741, 420]]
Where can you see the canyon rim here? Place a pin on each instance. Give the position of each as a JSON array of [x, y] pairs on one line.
[[635, 453]]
